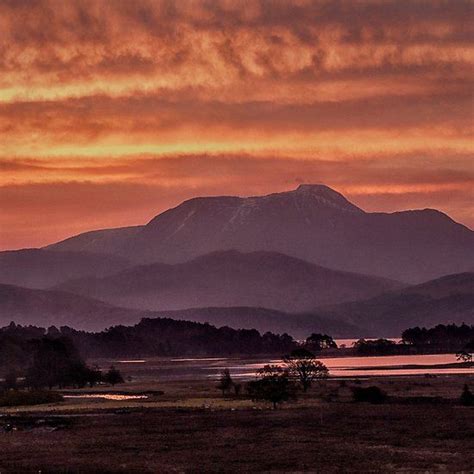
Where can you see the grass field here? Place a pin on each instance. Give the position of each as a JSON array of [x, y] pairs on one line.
[[190, 428]]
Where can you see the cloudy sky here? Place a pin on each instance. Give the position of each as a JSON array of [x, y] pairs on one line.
[[112, 111]]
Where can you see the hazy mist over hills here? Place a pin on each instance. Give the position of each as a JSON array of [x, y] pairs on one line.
[[449, 299], [28, 306], [231, 278], [55, 308], [40, 268]]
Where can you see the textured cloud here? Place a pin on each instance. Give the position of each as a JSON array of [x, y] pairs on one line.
[[197, 97]]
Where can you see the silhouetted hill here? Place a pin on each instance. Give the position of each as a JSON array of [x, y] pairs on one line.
[[39, 268], [231, 278], [449, 285], [449, 299], [46, 308], [299, 326], [313, 223]]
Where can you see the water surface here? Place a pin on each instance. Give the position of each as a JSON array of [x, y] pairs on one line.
[[200, 368], [107, 396]]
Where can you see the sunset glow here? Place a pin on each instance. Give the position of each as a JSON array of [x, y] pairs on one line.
[[113, 111]]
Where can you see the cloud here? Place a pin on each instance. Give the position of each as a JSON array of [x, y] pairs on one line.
[[218, 45]]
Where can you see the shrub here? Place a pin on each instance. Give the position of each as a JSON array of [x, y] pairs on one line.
[[237, 389], [13, 398], [370, 394], [467, 397], [113, 376], [11, 380]]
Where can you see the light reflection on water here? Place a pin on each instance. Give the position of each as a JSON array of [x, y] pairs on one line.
[[376, 365], [107, 396], [198, 359], [196, 368]]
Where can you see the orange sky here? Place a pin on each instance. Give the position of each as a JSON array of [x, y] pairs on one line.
[[112, 111]]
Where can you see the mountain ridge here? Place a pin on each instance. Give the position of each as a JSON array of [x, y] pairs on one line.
[[230, 278], [449, 299], [42, 268], [313, 223]]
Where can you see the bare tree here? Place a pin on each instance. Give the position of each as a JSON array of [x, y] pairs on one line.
[[303, 366], [464, 356]]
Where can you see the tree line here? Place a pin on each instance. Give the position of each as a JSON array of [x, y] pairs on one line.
[[168, 337], [450, 338], [155, 337], [442, 338], [150, 337]]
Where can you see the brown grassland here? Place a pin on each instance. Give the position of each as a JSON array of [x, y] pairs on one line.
[[190, 428]]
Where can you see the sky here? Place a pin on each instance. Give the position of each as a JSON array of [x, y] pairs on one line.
[[113, 111]]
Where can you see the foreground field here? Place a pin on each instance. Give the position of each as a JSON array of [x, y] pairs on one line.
[[349, 437], [189, 428]]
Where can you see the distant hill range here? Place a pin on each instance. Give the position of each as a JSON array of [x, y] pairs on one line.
[[300, 325], [231, 278], [449, 299], [446, 300], [27, 306], [313, 223], [39, 268], [46, 308]]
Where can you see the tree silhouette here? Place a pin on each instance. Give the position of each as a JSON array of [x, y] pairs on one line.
[[113, 376], [225, 382], [303, 366], [273, 385], [318, 342], [56, 362]]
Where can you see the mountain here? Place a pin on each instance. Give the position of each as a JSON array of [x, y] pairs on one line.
[[313, 223], [445, 300], [39, 268], [449, 299], [104, 241], [45, 308], [230, 278]]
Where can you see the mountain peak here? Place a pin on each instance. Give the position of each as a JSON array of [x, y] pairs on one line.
[[314, 188], [326, 195]]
